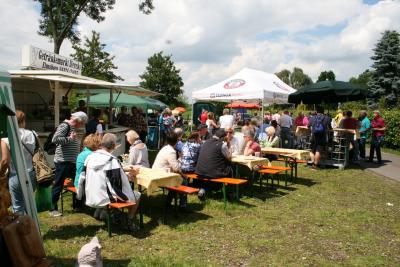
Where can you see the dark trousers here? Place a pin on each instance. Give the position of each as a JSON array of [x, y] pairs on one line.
[[376, 145], [286, 138], [361, 147], [63, 170]]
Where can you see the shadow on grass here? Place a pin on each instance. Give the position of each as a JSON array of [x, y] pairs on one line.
[[66, 232], [304, 181], [106, 262], [154, 208], [370, 165]]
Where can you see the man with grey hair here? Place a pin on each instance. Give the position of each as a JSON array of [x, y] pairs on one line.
[[104, 181], [226, 120], [67, 150]]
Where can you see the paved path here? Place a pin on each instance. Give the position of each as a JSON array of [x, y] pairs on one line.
[[390, 167]]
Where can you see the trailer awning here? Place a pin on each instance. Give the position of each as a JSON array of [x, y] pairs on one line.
[[80, 83]]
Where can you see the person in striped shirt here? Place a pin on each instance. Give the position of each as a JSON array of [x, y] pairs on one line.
[[66, 153]]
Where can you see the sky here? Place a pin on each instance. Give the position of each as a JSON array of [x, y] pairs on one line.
[[209, 40]]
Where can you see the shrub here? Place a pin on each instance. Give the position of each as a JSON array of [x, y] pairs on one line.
[[392, 123]]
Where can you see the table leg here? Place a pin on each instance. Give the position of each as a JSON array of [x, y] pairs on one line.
[[140, 210], [237, 192], [236, 171]]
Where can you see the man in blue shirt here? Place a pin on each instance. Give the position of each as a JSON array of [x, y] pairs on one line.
[[365, 125]]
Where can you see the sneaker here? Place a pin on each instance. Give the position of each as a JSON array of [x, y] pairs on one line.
[[55, 213], [202, 194]]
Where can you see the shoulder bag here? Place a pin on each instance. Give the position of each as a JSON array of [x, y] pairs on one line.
[[44, 173]]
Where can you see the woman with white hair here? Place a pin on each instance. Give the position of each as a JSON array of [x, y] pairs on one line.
[[138, 153], [272, 140]]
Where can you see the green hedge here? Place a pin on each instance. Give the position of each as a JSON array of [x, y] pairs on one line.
[[392, 133]]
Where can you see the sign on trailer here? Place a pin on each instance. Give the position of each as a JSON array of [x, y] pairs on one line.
[[37, 58]]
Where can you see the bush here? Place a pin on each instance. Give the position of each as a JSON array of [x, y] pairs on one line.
[[392, 123]]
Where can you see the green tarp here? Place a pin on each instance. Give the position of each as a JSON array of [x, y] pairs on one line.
[[17, 155], [328, 92], [103, 100]]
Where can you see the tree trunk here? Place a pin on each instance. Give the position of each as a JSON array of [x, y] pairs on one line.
[[57, 46]]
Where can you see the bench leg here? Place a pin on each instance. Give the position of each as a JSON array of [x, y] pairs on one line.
[[224, 194], [109, 222], [237, 192], [295, 170]]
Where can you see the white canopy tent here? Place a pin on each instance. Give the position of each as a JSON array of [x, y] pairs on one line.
[[247, 84]]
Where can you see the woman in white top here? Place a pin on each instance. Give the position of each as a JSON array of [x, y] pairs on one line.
[[211, 123], [29, 144], [138, 154]]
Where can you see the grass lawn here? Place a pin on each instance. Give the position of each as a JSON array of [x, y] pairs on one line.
[[327, 218]]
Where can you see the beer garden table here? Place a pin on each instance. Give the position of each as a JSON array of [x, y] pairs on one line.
[[291, 156], [249, 161], [151, 180]]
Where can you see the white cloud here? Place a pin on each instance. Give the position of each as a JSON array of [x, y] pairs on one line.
[[210, 40]]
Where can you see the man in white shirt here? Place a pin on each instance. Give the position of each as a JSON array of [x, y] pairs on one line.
[[226, 121], [286, 123]]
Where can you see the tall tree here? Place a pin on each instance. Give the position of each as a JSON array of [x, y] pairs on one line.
[[162, 76], [326, 75], [284, 75], [60, 17], [362, 79], [385, 79], [296, 79], [96, 62]]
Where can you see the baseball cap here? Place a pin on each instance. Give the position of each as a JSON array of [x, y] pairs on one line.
[[80, 115]]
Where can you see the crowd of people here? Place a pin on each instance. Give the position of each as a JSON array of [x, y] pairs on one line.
[[207, 151]]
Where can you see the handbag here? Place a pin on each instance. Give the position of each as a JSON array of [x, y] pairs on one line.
[[44, 172]]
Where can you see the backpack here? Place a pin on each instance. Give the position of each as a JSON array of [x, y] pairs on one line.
[[318, 127], [49, 146]]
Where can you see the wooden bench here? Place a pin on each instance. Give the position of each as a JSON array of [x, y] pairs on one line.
[[270, 172], [292, 163], [280, 168], [116, 205], [182, 189], [224, 181]]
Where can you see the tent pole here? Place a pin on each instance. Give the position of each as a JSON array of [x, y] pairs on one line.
[[192, 115], [56, 103], [262, 115], [110, 113], [87, 100]]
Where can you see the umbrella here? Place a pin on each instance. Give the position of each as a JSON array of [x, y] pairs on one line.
[[328, 92], [243, 105], [103, 100], [180, 109]]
